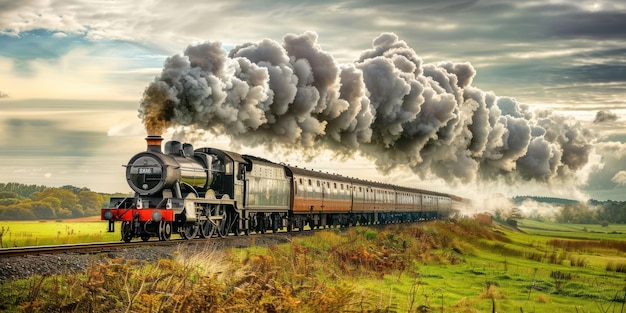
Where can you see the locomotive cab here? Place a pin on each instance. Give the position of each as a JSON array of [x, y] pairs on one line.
[[229, 173]]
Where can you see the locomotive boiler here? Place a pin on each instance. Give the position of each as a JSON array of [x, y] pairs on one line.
[[210, 192]]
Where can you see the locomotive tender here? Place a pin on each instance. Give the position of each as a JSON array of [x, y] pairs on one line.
[[209, 192]]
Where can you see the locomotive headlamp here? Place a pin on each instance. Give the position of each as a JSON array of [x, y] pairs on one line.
[[108, 215], [156, 216]]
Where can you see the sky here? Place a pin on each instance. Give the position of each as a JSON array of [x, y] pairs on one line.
[[73, 76]]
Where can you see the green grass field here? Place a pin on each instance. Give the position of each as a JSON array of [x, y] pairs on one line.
[[38, 233], [573, 231]]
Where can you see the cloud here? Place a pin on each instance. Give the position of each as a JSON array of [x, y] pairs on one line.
[[620, 178], [36, 137], [3, 95], [501, 33], [604, 179], [96, 72], [605, 116]]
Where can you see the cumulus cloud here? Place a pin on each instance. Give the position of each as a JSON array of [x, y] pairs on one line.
[[605, 176], [388, 105], [605, 116], [620, 178], [508, 67]]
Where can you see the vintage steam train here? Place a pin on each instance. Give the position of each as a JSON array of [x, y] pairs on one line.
[[209, 192]]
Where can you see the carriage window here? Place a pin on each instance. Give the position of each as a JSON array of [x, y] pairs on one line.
[[318, 183], [309, 182], [300, 181], [341, 186], [335, 185]]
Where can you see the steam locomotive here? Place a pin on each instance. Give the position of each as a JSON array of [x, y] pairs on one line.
[[210, 192]]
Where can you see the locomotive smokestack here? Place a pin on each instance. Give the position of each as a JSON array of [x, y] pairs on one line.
[[154, 143]]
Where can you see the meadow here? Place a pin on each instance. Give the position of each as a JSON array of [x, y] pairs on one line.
[[465, 265], [50, 232]]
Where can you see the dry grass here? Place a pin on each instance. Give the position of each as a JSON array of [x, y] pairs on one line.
[[588, 245], [399, 268]]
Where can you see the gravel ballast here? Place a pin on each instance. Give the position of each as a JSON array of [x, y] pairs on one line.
[[22, 267]]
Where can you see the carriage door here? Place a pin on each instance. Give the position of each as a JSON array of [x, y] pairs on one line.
[[240, 177]]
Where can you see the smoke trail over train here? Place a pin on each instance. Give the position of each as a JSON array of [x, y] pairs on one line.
[[387, 105]]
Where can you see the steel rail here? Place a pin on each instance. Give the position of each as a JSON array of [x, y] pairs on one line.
[[96, 247], [101, 247]]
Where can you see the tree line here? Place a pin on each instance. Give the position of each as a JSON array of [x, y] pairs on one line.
[[35, 202], [602, 212], [569, 211]]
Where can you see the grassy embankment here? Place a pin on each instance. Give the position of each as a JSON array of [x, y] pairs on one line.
[[460, 266]]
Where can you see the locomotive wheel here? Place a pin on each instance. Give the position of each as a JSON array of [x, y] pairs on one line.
[[261, 228], [275, 222], [127, 232], [165, 231], [202, 231], [189, 232], [220, 226], [207, 229], [211, 228]]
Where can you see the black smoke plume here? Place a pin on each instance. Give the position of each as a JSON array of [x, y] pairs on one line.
[[388, 106]]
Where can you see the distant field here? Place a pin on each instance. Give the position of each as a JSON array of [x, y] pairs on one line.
[[575, 231], [36, 233]]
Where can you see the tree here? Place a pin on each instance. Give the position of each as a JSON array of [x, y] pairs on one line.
[[67, 198], [516, 213], [566, 215], [20, 211], [54, 203], [21, 189], [29, 202], [613, 211], [9, 201], [75, 190], [43, 210], [8, 195], [90, 202]]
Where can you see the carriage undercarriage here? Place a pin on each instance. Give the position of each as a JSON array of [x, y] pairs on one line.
[[219, 218]]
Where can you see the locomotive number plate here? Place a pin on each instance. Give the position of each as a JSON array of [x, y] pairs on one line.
[[145, 170]]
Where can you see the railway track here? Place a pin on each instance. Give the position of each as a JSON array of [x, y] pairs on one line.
[[103, 247], [69, 248], [24, 262]]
